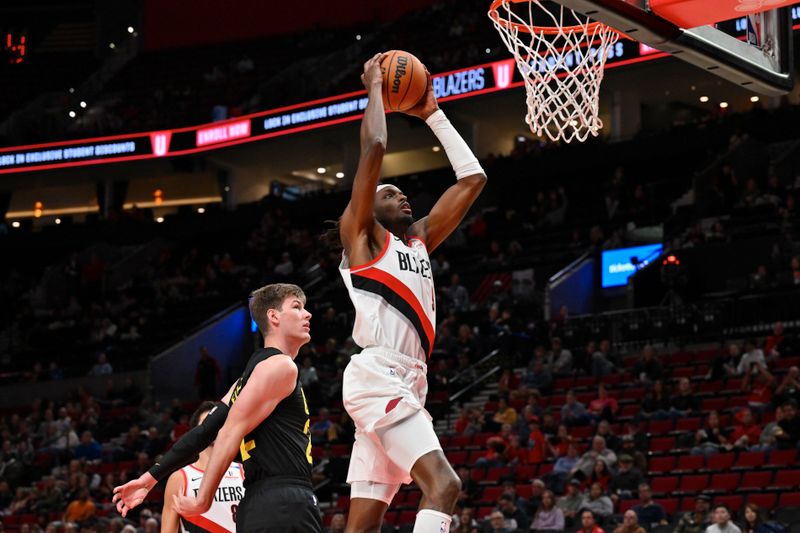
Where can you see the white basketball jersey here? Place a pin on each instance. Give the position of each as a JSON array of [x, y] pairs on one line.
[[221, 517], [394, 298]]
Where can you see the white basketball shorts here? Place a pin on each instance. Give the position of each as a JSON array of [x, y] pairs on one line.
[[384, 393]]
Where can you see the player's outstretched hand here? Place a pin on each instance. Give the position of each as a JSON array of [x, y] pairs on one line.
[[427, 105], [132, 493], [372, 72], [189, 505]]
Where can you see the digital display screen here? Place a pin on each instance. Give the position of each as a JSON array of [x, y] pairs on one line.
[[619, 265]]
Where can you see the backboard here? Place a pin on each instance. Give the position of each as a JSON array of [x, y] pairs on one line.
[[766, 68]]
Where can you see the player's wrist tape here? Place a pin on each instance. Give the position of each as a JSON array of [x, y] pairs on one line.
[[461, 157], [189, 446]]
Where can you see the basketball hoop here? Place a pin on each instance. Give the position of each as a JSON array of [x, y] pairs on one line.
[[561, 55]]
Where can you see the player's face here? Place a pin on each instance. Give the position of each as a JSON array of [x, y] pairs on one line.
[[295, 319], [392, 207]]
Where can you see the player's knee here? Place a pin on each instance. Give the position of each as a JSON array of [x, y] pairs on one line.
[[448, 490], [363, 527]]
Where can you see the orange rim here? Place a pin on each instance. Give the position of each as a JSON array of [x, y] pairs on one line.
[[544, 30]]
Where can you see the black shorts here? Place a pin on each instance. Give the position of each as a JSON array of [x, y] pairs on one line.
[[275, 507]]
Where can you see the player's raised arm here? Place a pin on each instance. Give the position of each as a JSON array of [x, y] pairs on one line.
[[271, 381], [182, 453], [358, 219], [450, 209]]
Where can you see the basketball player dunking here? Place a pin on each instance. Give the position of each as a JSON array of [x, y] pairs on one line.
[[387, 271], [264, 417], [221, 516]]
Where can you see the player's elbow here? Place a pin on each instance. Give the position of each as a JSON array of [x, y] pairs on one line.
[[373, 145]]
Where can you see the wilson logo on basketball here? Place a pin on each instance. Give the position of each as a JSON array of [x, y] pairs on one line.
[[399, 72]]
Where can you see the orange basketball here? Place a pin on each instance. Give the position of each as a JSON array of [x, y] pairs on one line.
[[404, 80]]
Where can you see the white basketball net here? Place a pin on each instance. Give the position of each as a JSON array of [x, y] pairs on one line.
[[562, 67]]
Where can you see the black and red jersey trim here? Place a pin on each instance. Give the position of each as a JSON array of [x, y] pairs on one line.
[[399, 296]]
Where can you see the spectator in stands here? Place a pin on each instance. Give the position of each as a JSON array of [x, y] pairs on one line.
[[102, 367], [514, 516], [648, 368], [751, 519], [465, 521], [722, 521], [505, 414], [571, 502], [557, 478], [789, 388], [537, 491], [602, 360], [80, 510], [321, 429], [309, 377], [600, 474], [649, 512], [537, 445], [573, 412], [630, 523], [772, 346], [752, 356], [656, 403], [760, 388], [698, 520], [725, 364], [598, 452], [538, 378], [457, 294], [206, 376], [508, 384], [495, 453], [497, 523], [548, 517], [684, 402], [712, 438], [604, 407], [88, 449], [746, 433], [625, 483], [558, 444], [598, 502], [337, 524], [559, 358], [589, 523], [789, 437]]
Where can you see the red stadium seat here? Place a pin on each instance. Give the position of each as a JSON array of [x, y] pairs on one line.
[[750, 460], [690, 463], [343, 502], [720, 461], [664, 484], [474, 455], [714, 404], [460, 441], [755, 479], [524, 490], [456, 458], [484, 511], [629, 410], [391, 518], [782, 458], [724, 482], [413, 498], [545, 468], [406, 517], [636, 393], [563, 384], [662, 444], [693, 484], [662, 464], [789, 498], [786, 479], [525, 473], [479, 439], [496, 474], [477, 474], [765, 501], [625, 505], [688, 424], [710, 387], [399, 498], [670, 505], [491, 494], [734, 503], [659, 427]]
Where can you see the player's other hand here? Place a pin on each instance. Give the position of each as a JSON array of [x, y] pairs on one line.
[[132, 493], [373, 76], [427, 105], [189, 505]]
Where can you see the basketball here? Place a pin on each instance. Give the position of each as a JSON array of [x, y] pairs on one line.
[[404, 80]]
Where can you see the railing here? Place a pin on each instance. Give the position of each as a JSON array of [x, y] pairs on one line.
[[561, 276]]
